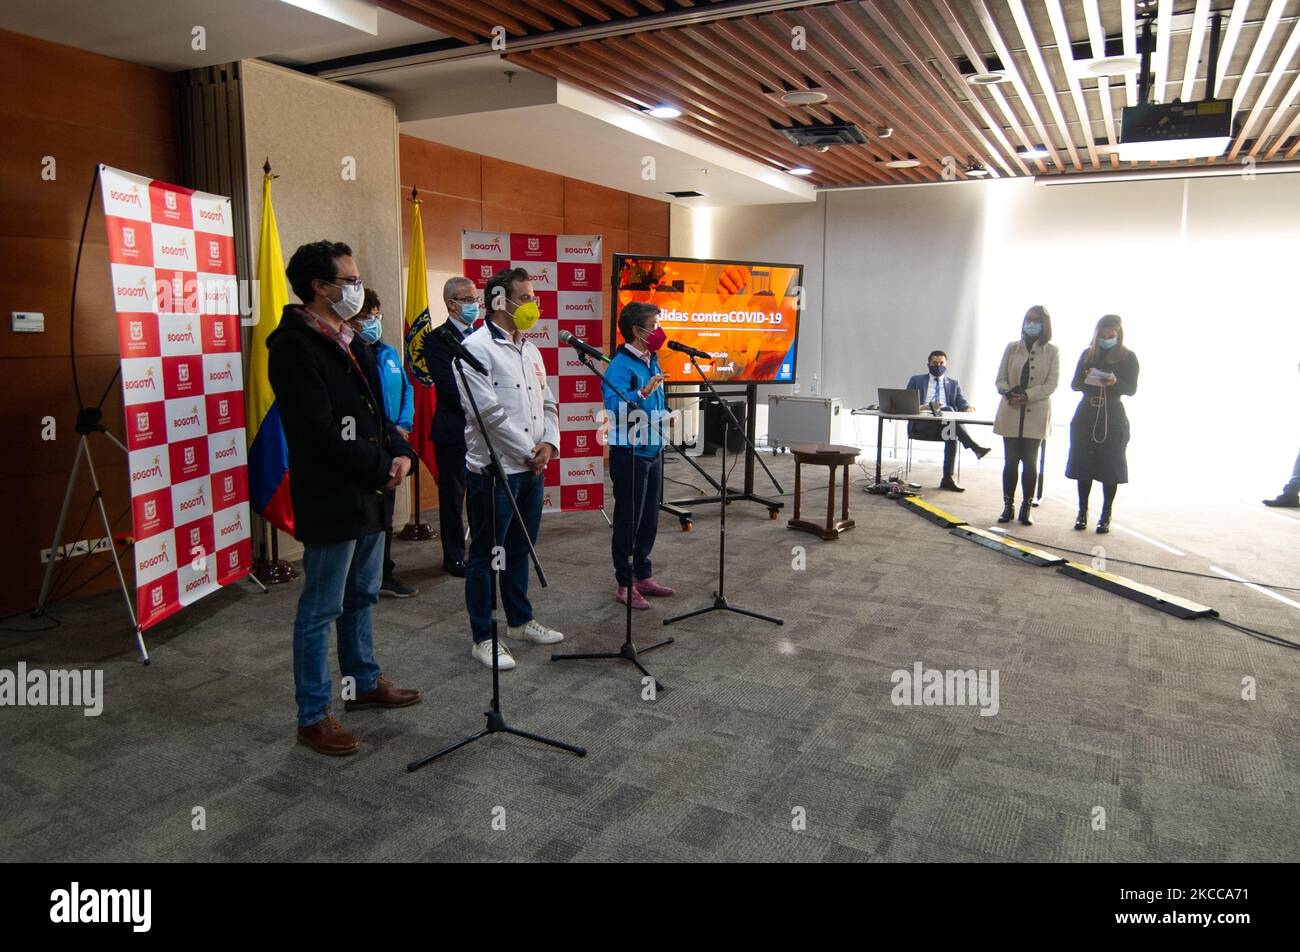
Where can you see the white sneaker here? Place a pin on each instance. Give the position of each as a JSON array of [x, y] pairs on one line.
[[537, 633], [482, 652]]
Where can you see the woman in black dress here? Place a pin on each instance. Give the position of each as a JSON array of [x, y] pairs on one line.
[[1099, 431]]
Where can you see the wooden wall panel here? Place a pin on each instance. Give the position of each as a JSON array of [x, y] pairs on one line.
[[79, 108], [432, 167], [647, 216], [607, 207], [522, 188]]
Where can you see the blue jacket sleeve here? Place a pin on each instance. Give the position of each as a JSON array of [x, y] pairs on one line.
[[406, 416]]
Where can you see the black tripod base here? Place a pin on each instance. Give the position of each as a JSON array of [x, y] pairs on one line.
[[627, 652], [496, 724], [720, 605]]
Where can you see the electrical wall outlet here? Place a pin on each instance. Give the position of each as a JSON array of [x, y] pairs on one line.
[[28, 322], [101, 545], [81, 547]]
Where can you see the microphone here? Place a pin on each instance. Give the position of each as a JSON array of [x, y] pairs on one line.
[[458, 348], [689, 351], [582, 347]]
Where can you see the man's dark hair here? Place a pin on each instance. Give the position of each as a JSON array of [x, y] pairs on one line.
[[934, 354], [314, 261], [634, 314], [502, 279], [369, 301]]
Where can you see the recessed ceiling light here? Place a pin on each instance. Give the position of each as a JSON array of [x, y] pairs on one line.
[[907, 163], [1113, 66], [803, 97], [801, 170], [987, 79], [664, 112], [1033, 152]]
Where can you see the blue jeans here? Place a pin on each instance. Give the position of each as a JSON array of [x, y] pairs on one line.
[[341, 584], [528, 492]]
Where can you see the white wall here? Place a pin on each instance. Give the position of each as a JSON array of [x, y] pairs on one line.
[[1203, 271]]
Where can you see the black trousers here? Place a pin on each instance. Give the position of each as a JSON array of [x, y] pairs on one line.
[[950, 448], [636, 502], [1021, 454], [927, 430], [451, 499]]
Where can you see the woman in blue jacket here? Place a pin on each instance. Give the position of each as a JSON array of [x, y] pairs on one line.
[[636, 447], [399, 407]]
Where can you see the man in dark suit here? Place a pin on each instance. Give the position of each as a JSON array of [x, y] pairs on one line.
[[941, 392], [448, 431]]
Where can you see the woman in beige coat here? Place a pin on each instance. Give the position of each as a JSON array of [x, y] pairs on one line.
[[1027, 378]]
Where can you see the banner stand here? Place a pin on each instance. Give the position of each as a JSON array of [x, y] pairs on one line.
[[88, 422]]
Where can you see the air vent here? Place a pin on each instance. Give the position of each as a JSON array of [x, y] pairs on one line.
[[689, 193], [840, 133]]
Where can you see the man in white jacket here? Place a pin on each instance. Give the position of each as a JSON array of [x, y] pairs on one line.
[[522, 418]]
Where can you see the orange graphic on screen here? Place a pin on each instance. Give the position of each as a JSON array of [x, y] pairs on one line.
[[744, 315]]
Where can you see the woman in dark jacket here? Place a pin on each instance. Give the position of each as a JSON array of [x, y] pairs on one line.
[[1099, 431]]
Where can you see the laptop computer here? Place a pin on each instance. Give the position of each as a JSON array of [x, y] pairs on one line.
[[899, 401]]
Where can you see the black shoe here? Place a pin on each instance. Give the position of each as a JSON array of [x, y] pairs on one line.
[[950, 484], [1284, 501], [1103, 524], [396, 588], [1008, 509], [1024, 514], [981, 451], [1081, 520], [454, 568]]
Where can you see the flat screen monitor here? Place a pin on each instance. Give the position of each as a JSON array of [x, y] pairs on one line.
[[745, 314]]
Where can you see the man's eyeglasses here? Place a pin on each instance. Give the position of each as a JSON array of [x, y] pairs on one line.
[[350, 282]]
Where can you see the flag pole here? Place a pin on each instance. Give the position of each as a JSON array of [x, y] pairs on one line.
[[415, 530], [270, 569]]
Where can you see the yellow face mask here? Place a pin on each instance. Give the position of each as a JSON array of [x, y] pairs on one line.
[[526, 315]]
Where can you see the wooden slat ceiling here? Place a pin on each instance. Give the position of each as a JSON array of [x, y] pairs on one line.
[[899, 64]]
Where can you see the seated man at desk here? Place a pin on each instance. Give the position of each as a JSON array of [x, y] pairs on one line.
[[941, 392]]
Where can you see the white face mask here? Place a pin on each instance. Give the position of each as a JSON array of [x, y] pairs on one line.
[[349, 305]]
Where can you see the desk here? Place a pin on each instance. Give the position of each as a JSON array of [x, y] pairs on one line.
[[945, 416]]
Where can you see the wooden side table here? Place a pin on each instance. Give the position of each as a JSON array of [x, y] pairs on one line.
[[831, 456]]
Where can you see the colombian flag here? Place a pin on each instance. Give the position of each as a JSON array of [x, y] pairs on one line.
[[268, 454], [418, 325]]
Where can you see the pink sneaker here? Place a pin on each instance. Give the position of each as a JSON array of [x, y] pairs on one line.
[[648, 586], [637, 600]]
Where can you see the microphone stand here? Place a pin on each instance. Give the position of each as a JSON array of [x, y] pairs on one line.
[[628, 650], [720, 596], [496, 723]]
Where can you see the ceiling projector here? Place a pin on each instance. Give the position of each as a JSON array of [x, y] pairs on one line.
[[1169, 132]]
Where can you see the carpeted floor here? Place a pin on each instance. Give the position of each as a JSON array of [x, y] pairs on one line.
[[761, 729]]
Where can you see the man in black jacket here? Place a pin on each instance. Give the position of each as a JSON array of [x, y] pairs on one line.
[[343, 456], [448, 430]]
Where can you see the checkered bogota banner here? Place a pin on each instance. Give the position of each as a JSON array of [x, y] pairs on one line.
[[566, 271], [172, 256]]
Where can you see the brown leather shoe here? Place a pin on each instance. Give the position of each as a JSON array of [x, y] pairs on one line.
[[950, 484], [384, 695], [327, 736]]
